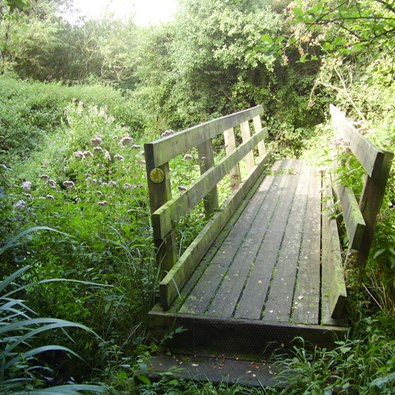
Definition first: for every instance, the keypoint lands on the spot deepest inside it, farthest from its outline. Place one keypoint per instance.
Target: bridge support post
(159, 188)
(206, 162)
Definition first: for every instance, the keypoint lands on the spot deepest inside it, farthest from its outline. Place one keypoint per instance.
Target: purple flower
(78, 154)
(107, 156)
(44, 176)
(87, 154)
(52, 183)
(188, 157)
(129, 186)
(68, 184)
(136, 147)
(98, 150)
(119, 157)
(26, 185)
(96, 141)
(20, 204)
(126, 140)
(103, 203)
(167, 133)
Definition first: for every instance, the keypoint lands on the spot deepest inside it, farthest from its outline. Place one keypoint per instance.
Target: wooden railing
(167, 211)
(359, 217)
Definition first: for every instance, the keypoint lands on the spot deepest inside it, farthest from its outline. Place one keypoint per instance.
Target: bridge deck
(264, 272)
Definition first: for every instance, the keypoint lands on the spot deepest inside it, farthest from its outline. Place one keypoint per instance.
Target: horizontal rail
(353, 218)
(164, 149)
(186, 264)
(369, 156)
(174, 209)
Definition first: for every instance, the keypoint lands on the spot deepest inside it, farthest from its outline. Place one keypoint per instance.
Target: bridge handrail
(360, 218)
(166, 211)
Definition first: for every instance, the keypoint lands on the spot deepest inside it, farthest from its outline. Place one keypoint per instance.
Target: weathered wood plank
(371, 201)
(353, 219)
(169, 147)
(370, 157)
(240, 335)
(307, 290)
(206, 162)
(230, 147)
(192, 281)
(258, 127)
(200, 298)
(226, 298)
(176, 208)
(333, 289)
(253, 296)
(246, 135)
(280, 296)
(181, 271)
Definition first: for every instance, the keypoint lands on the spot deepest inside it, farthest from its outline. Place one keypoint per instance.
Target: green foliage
(31, 111)
(20, 367)
(355, 366)
(87, 180)
(348, 28)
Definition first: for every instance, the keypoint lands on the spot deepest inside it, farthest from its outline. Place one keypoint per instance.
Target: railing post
(246, 135)
(258, 128)
(370, 204)
(159, 188)
(206, 161)
(230, 146)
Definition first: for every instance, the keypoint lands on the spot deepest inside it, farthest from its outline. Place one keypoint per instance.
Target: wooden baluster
(258, 128)
(230, 146)
(160, 192)
(206, 161)
(246, 135)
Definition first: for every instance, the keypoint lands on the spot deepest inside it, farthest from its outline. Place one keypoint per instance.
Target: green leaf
(378, 253)
(298, 12)
(266, 39)
(144, 379)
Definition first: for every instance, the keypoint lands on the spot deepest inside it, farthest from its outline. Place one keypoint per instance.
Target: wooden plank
(206, 162)
(370, 157)
(246, 135)
(333, 289)
(258, 128)
(200, 298)
(371, 201)
(215, 369)
(238, 335)
(353, 219)
(182, 270)
(230, 147)
(227, 295)
(279, 302)
(176, 208)
(307, 290)
(274, 202)
(169, 147)
(188, 287)
(160, 193)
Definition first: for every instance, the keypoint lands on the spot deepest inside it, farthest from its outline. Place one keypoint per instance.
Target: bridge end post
(159, 189)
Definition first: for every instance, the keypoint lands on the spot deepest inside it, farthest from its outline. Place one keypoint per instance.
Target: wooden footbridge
(268, 265)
